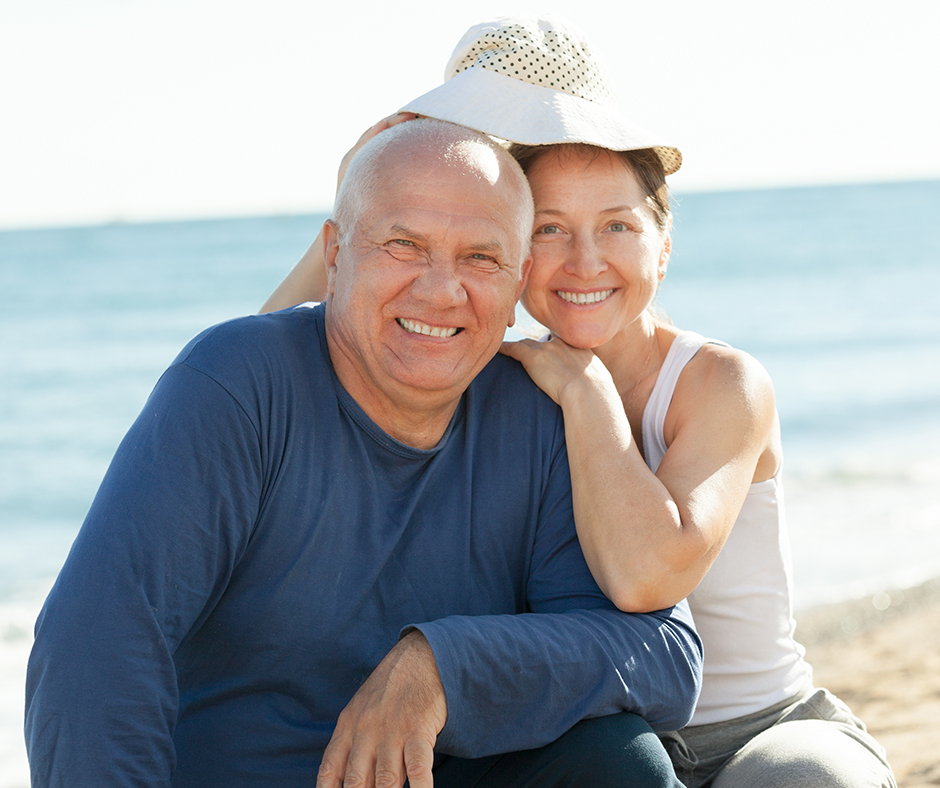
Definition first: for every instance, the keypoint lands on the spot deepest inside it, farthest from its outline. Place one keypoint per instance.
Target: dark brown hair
(644, 163)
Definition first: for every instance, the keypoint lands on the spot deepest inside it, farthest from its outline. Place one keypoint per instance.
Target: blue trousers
(620, 750)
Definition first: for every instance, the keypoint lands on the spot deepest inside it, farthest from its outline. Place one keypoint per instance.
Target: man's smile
(414, 327)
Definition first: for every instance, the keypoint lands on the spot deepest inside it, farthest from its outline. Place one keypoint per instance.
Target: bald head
(419, 148)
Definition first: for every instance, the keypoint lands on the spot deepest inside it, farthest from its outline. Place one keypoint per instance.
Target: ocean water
(834, 289)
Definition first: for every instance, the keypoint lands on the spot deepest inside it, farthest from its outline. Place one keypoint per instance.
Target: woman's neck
(634, 358)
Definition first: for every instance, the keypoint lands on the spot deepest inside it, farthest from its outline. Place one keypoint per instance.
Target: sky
(136, 110)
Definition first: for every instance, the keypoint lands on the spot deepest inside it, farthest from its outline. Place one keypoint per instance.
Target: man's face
(424, 287)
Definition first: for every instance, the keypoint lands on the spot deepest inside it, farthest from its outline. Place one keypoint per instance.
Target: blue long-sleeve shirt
(259, 544)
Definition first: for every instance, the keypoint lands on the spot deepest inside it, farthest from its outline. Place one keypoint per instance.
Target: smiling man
(338, 541)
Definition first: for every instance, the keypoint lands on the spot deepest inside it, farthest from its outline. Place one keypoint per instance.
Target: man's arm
(513, 682)
(168, 524)
(517, 682)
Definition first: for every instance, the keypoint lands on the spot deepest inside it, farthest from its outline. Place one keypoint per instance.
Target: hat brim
(518, 111)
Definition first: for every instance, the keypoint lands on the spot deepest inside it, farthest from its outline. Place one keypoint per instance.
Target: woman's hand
(368, 134)
(556, 367)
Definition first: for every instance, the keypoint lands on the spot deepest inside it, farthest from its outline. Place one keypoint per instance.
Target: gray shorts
(806, 741)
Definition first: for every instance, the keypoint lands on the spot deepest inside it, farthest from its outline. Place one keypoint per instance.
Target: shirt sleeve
(154, 554)
(516, 682)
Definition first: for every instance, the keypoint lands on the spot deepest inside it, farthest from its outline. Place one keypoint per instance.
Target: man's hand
(387, 731)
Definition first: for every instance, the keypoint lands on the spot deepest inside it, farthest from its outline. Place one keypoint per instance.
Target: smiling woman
(602, 249)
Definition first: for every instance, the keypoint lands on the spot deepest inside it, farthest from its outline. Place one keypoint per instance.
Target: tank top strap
(683, 348)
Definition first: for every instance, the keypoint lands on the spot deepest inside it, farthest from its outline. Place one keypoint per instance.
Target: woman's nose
(584, 258)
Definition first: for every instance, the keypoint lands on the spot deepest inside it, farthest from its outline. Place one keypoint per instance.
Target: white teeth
(584, 298)
(413, 327)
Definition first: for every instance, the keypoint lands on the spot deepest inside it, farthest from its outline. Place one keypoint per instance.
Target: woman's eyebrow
(614, 209)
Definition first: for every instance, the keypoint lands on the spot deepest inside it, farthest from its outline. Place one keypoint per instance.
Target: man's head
(426, 253)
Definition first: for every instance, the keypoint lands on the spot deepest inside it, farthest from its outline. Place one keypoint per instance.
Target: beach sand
(881, 655)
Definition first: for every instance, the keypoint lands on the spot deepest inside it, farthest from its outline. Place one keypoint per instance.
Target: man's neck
(416, 418)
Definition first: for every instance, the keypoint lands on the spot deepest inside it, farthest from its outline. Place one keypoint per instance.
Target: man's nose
(584, 259)
(440, 286)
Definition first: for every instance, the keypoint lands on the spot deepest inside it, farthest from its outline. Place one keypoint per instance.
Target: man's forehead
(422, 199)
(470, 228)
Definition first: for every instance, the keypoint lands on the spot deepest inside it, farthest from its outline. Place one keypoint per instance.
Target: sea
(835, 289)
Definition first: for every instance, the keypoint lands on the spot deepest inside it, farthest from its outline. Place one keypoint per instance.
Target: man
(341, 538)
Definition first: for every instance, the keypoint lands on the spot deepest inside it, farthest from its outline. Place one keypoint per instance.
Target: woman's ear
(666, 251)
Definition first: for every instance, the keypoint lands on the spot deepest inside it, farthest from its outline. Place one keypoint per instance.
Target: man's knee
(620, 750)
(807, 754)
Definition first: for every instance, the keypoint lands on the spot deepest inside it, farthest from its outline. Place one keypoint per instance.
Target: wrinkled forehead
(446, 206)
(466, 180)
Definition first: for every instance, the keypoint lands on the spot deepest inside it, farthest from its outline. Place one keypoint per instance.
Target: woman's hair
(643, 163)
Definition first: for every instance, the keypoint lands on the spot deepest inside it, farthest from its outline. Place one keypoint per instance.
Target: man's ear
(523, 281)
(330, 251)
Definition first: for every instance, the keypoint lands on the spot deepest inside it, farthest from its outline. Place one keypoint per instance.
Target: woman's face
(598, 254)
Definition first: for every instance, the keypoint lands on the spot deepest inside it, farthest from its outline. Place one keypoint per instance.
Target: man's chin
(439, 376)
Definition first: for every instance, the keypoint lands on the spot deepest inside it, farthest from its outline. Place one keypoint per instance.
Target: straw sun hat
(536, 82)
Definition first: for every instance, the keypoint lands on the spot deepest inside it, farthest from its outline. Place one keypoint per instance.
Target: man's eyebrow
(487, 246)
(400, 229)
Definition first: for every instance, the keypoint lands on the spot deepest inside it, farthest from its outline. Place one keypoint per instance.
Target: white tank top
(743, 608)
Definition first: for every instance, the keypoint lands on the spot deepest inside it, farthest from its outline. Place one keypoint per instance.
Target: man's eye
(482, 261)
(403, 242)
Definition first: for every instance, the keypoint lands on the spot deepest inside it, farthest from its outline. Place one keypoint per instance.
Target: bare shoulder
(726, 384)
(722, 370)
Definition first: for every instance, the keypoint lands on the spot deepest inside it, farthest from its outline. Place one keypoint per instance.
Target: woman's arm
(649, 539)
(307, 280)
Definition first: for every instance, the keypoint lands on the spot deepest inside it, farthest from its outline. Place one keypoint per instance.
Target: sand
(881, 655)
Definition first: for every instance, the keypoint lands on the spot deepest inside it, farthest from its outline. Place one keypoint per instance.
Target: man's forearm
(517, 682)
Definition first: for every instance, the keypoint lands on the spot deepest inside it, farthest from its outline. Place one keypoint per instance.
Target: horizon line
(157, 217)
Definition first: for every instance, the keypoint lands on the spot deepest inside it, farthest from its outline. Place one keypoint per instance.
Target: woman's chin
(580, 337)
(577, 330)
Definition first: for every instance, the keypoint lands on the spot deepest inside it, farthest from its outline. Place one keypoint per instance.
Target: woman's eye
(618, 227)
(549, 229)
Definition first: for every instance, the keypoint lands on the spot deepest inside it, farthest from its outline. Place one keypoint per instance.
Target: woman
(673, 439)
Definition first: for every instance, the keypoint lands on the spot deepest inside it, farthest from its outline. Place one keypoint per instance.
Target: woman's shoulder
(720, 378)
(719, 362)
(724, 402)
